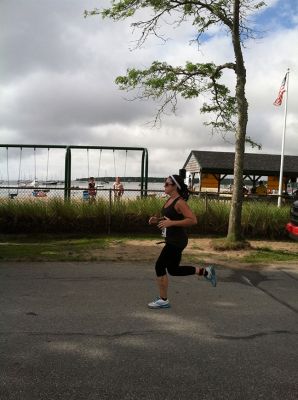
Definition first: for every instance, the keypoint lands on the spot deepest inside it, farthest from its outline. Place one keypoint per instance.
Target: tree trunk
(235, 231)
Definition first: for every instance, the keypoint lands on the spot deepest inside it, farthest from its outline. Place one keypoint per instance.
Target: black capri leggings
(169, 260)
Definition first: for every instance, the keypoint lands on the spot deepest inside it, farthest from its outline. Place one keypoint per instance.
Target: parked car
(292, 226)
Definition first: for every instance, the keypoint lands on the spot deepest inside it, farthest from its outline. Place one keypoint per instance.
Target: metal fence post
(67, 180)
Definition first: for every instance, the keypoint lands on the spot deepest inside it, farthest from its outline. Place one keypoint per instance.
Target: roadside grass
(48, 249)
(223, 244)
(251, 255)
(267, 255)
(109, 248)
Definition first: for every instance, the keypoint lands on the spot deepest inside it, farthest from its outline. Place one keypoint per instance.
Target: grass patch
(269, 256)
(46, 249)
(224, 244)
(198, 260)
(127, 248)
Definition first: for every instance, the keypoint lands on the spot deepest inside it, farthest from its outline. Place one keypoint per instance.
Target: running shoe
(211, 275)
(159, 303)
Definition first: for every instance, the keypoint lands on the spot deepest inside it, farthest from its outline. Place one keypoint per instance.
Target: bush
(259, 219)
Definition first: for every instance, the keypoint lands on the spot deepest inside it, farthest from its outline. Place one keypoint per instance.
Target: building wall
(209, 181)
(192, 165)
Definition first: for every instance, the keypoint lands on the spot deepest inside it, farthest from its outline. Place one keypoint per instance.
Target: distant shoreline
(123, 179)
(127, 179)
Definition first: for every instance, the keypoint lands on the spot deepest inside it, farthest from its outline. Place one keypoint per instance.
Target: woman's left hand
(165, 223)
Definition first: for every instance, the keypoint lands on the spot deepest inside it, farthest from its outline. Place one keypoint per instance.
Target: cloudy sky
(57, 74)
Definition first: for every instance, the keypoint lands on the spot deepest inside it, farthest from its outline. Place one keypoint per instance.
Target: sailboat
(51, 182)
(37, 192)
(31, 185)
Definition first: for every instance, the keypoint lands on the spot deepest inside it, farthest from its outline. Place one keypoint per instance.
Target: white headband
(176, 183)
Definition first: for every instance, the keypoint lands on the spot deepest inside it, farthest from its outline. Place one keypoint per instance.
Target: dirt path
(198, 250)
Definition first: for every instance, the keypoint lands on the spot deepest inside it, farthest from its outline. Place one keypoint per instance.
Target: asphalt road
(83, 331)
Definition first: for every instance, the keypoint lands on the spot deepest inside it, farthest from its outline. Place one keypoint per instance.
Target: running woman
(176, 216)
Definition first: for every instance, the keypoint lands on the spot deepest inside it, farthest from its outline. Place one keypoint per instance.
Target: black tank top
(175, 235)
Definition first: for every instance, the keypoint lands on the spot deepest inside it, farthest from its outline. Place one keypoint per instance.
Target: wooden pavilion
(212, 167)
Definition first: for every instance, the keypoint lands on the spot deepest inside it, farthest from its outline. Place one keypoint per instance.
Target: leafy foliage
(164, 82)
(228, 112)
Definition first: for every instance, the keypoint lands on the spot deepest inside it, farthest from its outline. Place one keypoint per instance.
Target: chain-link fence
(20, 193)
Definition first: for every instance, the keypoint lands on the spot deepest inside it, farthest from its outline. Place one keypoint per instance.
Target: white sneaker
(159, 303)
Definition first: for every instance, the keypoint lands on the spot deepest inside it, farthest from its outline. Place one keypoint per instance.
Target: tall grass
(213, 217)
(133, 215)
(55, 215)
(259, 219)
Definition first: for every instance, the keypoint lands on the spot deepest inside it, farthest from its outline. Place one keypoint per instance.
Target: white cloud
(57, 84)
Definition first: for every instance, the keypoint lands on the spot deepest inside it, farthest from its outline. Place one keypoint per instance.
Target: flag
(281, 92)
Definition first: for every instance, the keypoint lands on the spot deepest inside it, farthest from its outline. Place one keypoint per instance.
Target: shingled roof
(254, 164)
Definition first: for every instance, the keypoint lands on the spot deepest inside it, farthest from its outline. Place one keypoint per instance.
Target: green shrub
(259, 219)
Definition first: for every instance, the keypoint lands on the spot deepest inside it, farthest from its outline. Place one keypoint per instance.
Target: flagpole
(283, 144)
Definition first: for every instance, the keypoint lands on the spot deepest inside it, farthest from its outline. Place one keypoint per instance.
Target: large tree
(165, 82)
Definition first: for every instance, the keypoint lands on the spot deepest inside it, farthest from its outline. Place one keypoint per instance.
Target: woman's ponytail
(181, 186)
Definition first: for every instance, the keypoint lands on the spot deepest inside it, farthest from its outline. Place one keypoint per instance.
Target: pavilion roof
(254, 164)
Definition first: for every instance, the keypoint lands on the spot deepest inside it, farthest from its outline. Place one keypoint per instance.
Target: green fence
(12, 188)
